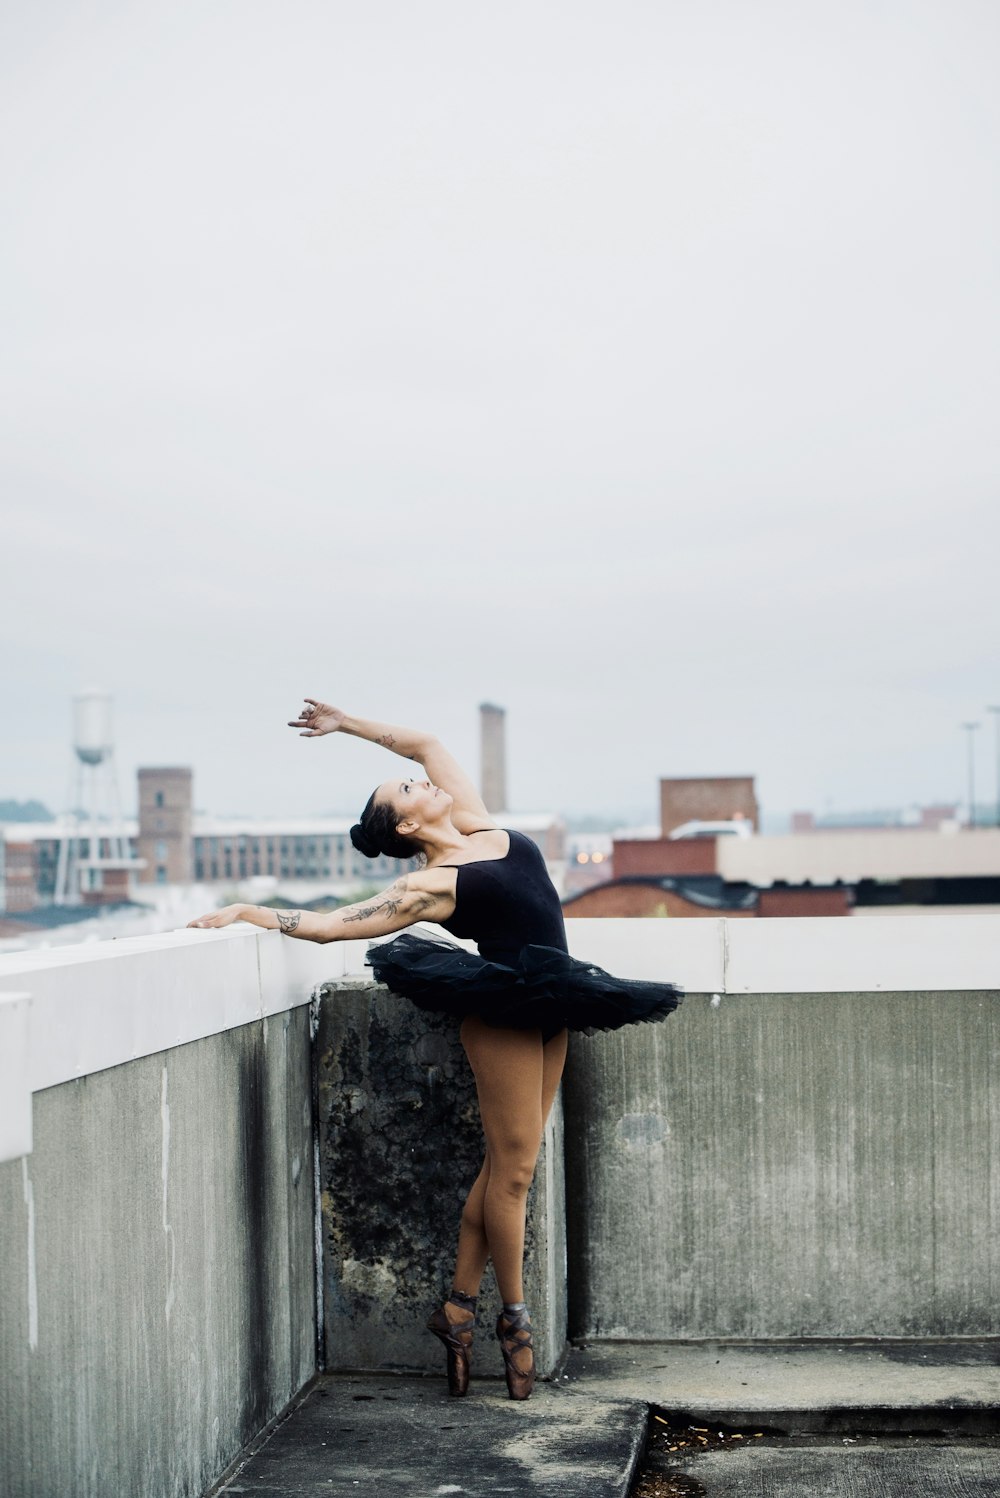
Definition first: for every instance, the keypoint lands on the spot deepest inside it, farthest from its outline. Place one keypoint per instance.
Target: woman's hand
(317, 719)
(224, 917)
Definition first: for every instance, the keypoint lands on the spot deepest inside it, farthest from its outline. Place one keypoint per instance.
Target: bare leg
(473, 1246)
(517, 1079)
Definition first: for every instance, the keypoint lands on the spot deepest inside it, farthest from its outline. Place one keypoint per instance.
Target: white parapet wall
(96, 1006)
(15, 1091)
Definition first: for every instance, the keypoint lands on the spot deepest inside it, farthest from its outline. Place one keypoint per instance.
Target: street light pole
(996, 724)
(970, 729)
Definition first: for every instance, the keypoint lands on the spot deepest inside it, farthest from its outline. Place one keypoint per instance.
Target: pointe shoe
(516, 1333)
(458, 1351)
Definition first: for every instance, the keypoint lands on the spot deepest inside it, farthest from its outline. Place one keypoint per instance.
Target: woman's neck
(439, 843)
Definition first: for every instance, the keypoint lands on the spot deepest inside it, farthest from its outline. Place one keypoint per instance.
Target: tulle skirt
(547, 990)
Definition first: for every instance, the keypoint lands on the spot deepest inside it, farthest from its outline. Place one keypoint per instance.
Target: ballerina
(517, 1000)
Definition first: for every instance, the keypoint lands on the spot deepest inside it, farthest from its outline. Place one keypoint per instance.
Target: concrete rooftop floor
(925, 1418)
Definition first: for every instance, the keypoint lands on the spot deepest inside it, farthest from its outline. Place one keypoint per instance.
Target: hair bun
(363, 842)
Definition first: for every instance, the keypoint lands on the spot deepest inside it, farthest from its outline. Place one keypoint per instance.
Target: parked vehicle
(737, 828)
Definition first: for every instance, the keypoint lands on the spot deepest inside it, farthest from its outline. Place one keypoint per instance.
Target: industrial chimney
(493, 756)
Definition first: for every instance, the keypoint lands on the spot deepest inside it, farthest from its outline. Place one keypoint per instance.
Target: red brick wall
(115, 888)
(647, 900)
(657, 855)
(21, 876)
(830, 901)
(169, 824)
(705, 799)
(638, 900)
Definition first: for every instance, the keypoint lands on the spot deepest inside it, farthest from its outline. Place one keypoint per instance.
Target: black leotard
(505, 904)
(523, 977)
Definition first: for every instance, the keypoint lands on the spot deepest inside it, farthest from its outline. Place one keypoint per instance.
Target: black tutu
(548, 990)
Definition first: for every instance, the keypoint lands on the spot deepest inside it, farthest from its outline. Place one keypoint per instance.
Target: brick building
(682, 877)
(165, 826)
(717, 798)
(704, 895)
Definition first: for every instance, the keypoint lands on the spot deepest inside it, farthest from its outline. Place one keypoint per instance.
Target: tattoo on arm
(288, 920)
(388, 741)
(389, 903)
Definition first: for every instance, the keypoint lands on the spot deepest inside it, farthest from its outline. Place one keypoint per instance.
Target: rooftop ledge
(70, 1012)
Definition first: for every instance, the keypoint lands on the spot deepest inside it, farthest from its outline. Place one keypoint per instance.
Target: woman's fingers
(306, 714)
(223, 917)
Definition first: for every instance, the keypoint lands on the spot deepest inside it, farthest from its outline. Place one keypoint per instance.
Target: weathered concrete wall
(156, 1267)
(400, 1145)
(783, 1165)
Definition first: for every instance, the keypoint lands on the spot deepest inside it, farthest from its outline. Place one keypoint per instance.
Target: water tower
(95, 860)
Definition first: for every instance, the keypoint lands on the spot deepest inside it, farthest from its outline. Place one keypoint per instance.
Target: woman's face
(418, 801)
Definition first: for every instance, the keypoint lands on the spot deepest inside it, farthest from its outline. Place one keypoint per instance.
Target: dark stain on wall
(400, 1145)
(254, 1162)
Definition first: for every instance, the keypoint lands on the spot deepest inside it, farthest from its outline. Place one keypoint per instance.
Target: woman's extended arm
(321, 718)
(469, 810)
(411, 898)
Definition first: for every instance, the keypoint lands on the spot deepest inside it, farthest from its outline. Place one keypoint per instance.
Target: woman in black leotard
(517, 998)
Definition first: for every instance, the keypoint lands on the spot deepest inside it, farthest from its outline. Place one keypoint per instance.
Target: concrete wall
(400, 1145)
(790, 1164)
(156, 1278)
(157, 1287)
(812, 1154)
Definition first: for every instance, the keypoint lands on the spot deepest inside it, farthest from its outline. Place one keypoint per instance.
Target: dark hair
(376, 832)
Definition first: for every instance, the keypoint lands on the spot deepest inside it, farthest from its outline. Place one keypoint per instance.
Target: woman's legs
(517, 1078)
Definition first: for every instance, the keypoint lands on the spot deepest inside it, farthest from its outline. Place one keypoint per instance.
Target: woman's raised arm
(317, 718)
(468, 811)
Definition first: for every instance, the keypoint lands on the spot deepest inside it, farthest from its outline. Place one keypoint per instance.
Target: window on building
(161, 850)
(159, 798)
(161, 875)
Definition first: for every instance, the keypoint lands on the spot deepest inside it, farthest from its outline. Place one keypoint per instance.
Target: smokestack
(493, 756)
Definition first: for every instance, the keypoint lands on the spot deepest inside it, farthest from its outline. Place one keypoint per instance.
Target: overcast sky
(633, 365)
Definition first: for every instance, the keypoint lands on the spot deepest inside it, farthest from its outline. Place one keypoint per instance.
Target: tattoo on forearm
(288, 920)
(386, 740)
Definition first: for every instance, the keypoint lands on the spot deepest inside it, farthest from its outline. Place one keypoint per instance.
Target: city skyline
(606, 816)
